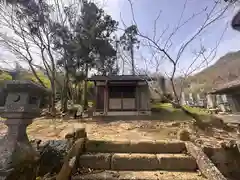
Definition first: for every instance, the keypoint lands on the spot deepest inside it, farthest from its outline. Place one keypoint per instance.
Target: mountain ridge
(224, 70)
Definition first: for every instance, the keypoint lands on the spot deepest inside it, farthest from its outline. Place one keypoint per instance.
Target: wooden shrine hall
(121, 95)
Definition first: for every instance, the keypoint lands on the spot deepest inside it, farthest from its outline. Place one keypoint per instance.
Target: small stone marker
(22, 105)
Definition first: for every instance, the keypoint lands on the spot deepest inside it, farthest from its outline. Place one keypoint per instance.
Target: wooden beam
(106, 99)
(137, 99)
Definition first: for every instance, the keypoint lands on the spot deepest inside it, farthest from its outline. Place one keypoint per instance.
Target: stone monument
(211, 101)
(191, 100)
(183, 99)
(17, 157)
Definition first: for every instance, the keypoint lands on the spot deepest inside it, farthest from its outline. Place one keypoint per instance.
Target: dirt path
(149, 130)
(102, 130)
(134, 130)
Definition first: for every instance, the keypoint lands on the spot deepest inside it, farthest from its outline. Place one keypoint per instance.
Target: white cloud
(112, 7)
(229, 45)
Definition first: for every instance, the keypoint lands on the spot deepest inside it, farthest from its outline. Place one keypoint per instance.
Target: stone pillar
(106, 99)
(17, 157)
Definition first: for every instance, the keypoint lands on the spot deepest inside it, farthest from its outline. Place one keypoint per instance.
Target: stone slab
(126, 146)
(138, 161)
(140, 175)
(177, 162)
(134, 162)
(96, 161)
(107, 146)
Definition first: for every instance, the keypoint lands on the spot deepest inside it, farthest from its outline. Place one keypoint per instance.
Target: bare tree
(27, 30)
(160, 48)
(30, 31)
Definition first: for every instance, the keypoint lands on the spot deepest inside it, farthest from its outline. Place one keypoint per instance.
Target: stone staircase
(140, 160)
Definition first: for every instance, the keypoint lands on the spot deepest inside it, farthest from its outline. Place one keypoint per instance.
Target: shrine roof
(120, 78)
(227, 87)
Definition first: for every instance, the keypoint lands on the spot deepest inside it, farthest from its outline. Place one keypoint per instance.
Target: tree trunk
(78, 93)
(53, 110)
(132, 57)
(53, 87)
(65, 90)
(35, 74)
(84, 94)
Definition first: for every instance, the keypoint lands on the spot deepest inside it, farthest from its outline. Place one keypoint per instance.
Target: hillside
(226, 69)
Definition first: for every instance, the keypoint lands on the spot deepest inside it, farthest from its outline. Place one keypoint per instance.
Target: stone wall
(227, 160)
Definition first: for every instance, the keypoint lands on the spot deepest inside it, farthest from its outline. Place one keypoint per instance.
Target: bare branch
(155, 25)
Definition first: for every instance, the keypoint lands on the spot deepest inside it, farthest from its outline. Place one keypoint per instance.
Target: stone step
(126, 146)
(140, 175)
(138, 162)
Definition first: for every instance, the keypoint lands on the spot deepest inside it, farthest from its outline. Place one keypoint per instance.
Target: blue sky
(146, 12)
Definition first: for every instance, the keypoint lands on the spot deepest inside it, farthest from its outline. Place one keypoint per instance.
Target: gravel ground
(45, 129)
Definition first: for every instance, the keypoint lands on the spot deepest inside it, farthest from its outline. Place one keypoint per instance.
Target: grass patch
(196, 110)
(163, 106)
(166, 111)
(2, 119)
(169, 107)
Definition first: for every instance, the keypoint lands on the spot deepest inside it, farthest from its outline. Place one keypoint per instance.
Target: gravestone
(199, 100)
(232, 103)
(183, 99)
(218, 99)
(17, 157)
(220, 103)
(211, 101)
(191, 100)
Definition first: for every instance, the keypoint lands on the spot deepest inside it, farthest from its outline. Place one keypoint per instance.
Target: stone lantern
(22, 105)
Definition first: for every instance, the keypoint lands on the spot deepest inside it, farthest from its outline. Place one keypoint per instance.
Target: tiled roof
(120, 78)
(227, 86)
